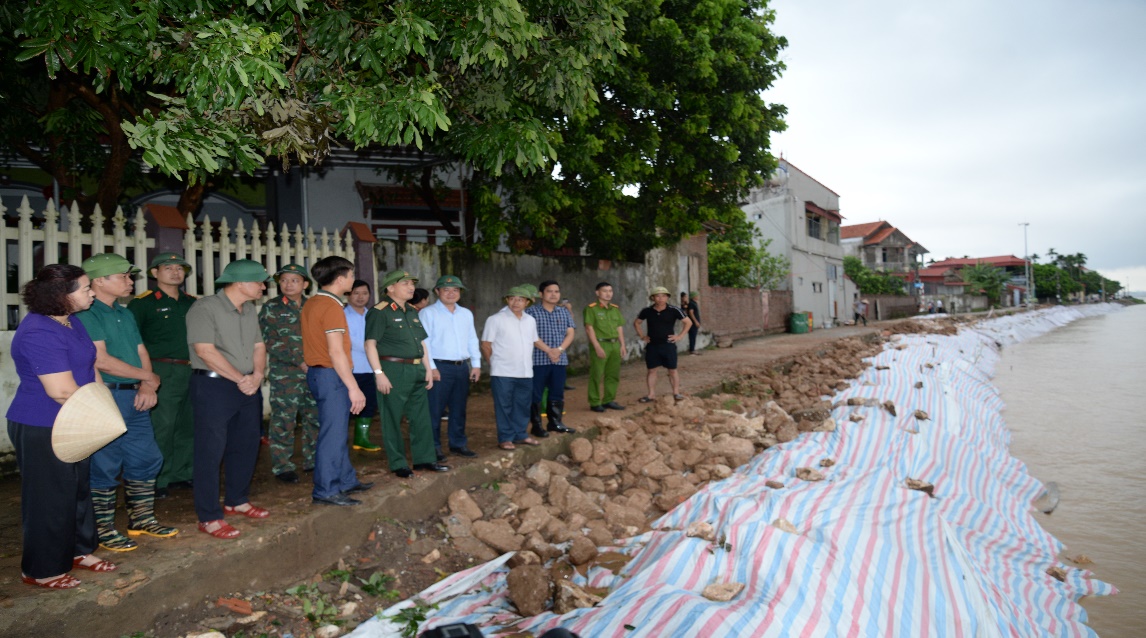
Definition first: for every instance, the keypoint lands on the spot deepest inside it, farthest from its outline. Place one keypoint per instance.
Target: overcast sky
(957, 120)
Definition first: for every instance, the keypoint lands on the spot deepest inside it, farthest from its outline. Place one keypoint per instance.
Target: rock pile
(555, 514)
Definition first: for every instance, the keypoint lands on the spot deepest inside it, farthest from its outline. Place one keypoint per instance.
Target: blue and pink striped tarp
(871, 557)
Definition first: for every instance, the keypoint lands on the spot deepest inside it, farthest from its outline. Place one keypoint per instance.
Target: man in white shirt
(456, 362)
(356, 309)
(508, 340)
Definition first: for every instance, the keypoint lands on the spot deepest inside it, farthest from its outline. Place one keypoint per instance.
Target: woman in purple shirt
(54, 357)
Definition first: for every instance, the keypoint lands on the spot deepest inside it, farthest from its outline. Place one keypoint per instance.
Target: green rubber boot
(140, 497)
(103, 506)
(362, 435)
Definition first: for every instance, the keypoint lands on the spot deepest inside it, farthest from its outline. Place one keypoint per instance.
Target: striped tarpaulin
(871, 557)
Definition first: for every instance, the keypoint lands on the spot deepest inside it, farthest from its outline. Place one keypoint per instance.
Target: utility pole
(1027, 259)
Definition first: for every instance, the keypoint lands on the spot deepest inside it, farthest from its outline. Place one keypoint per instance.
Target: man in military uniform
(291, 400)
(604, 324)
(161, 315)
(397, 350)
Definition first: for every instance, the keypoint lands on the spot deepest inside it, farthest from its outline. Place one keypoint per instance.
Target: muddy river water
(1076, 406)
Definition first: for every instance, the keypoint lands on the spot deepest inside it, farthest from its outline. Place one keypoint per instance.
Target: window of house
(817, 286)
(815, 226)
(833, 272)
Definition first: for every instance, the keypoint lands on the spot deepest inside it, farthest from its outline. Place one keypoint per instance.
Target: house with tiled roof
(946, 277)
(801, 217)
(881, 247)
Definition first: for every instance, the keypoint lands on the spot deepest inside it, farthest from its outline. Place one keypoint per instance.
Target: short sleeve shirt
(162, 322)
(695, 309)
(552, 326)
(43, 346)
(605, 319)
(115, 326)
(398, 331)
(661, 322)
(215, 320)
(322, 314)
(512, 340)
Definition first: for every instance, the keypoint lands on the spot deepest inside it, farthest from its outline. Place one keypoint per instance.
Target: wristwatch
(378, 371)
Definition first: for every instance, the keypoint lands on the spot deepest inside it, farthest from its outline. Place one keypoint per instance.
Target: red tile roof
(859, 230)
(880, 236)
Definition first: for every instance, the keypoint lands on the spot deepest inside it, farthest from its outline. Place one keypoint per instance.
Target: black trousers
(227, 424)
(55, 504)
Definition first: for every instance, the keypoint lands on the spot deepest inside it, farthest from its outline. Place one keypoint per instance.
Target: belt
(178, 362)
(462, 362)
(401, 360)
(608, 340)
(123, 386)
(210, 374)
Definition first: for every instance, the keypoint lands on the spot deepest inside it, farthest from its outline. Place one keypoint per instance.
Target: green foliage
(378, 586)
(678, 136)
(411, 618)
(317, 607)
(983, 278)
(869, 282)
(340, 575)
(738, 258)
(1066, 275)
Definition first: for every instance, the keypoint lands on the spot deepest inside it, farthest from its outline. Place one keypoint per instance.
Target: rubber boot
(103, 507)
(537, 429)
(556, 412)
(362, 435)
(140, 496)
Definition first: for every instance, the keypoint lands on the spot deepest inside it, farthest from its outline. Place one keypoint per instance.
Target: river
(1076, 407)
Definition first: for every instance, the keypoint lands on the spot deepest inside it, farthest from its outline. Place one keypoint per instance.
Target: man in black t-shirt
(661, 340)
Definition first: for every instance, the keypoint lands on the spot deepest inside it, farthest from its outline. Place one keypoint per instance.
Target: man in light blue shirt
(357, 307)
(455, 363)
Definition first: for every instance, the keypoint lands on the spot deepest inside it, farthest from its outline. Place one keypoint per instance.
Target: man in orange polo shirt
(326, 350)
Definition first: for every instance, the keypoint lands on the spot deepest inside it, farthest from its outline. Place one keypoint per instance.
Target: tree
(869, 282)
(739, 259)
(679, 135)
(212, 87)
(985, 279)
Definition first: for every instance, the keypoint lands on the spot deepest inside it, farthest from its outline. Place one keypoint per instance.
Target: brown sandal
(529, 440)
(507, 446)
(252, 511)
(63, 581)
(223, 531)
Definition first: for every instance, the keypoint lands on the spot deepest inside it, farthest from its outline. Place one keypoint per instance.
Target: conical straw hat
(88, 420)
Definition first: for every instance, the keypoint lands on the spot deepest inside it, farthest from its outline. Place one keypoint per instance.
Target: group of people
(187, 373)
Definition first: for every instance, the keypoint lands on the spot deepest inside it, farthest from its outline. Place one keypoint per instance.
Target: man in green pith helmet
(397, 350)
(291, 400)
(161, 315)
(125, 368)
(604, 326)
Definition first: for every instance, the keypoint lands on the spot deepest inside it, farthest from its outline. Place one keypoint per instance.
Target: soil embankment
(306, 567)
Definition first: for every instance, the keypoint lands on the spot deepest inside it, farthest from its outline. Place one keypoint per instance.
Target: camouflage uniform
(290, 397)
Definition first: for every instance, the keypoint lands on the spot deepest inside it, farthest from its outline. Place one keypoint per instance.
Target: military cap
(449, 281)
(105, 264)
(162, 259)
(296, 269)
(394, 276)
(520, 291)
(243, 270)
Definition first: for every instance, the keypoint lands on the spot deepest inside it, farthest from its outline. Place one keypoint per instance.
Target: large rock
(463, 504)
(570, 597)
(538, 475)
(558, 490)
(738, 451)
(576, 502)
(656, 470)
(533, 520)
(582, 550)
(722, 592)
(529, 589)
(580, 450)
(527, 498)
(787, 432)
(620, 516)
(498, 534)
(458, 526)
(475, 548)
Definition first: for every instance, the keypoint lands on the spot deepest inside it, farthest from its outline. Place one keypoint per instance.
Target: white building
(802, 218)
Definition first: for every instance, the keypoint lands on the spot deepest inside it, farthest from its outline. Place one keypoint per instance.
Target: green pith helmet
(243, 270)
(106, 264)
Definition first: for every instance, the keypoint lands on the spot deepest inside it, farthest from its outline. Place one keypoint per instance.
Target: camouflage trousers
(291, 405)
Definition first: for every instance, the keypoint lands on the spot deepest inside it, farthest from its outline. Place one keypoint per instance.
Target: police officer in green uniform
(396, 348)
(604, 325)
(291, 400)
(161, 315)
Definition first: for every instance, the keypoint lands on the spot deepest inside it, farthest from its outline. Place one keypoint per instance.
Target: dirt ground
(307, 566)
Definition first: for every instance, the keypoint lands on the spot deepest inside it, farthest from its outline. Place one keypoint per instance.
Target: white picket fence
(38, 242)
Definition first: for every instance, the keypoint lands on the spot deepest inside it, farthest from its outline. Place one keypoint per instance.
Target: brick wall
(731, 312)
(890, 306)
(777, 308)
